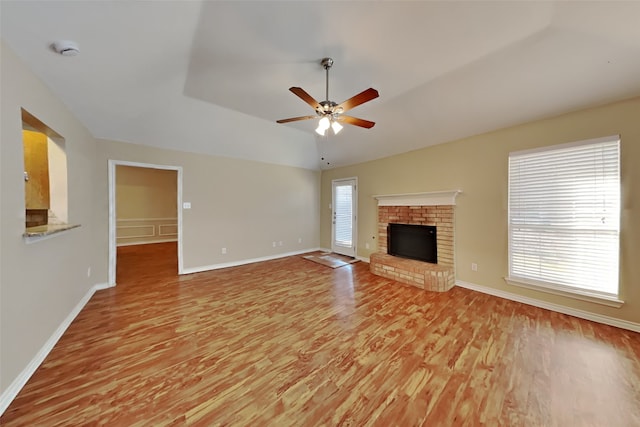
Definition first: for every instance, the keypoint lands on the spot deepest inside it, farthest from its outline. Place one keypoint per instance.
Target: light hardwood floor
(291, 342)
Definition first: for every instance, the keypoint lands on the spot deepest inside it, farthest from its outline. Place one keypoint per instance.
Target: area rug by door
(330, 259)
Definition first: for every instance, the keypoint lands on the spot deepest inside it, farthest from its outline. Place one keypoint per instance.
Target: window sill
(43, 232)
(584, 295)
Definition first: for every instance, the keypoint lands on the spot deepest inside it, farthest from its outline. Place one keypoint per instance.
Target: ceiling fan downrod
(327, 63)
(327, 108)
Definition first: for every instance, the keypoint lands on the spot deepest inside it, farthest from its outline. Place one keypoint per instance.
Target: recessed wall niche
(45, 174)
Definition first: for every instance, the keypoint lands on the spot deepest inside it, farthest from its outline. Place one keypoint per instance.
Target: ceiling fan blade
(298, 91)
(357, 122)
(295, 119)
(361, 98)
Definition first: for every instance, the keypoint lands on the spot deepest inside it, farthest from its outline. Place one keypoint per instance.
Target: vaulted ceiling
(213, 76)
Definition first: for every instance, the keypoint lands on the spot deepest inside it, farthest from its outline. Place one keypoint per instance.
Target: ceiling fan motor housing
(328, 107)
(326, 63)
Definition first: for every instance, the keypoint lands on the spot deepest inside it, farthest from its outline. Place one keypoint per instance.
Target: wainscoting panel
(138, 231)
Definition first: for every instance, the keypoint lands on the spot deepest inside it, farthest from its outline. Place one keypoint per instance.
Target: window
(564, 218)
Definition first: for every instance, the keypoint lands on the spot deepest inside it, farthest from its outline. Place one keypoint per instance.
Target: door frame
(354, 202)
(112, 211)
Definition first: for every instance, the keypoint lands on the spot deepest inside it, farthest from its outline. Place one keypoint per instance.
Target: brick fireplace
(439, 216)
(436, 209)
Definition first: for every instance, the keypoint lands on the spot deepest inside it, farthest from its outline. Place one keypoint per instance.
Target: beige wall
(146, 192)
(245, 206)
(239, 205)
(40, 282)
(146, 205)
(478, 166)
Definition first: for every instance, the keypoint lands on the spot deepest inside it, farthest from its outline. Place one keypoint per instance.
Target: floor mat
(330, 259)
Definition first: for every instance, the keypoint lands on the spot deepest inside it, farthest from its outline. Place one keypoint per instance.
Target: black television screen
(413, 242)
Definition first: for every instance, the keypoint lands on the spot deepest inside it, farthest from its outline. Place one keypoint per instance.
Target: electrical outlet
(366, 245)
(280, 243)
(224, 251)
(89, 272)
(474, 266)
(274, 244)
(299, 239)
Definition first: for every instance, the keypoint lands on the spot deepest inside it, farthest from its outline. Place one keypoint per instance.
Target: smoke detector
(66, 47)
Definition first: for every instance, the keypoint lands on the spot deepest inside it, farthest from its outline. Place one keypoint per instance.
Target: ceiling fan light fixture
(324, 122)
(323, 125)
(328, 111)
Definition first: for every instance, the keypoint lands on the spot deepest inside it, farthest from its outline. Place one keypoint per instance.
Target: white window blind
(344, 215)
(564, 216)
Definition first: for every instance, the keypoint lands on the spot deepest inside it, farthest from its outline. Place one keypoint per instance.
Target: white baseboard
(245, 261)
(363, 259)
(102, 286)
(146, 242)
(599, 318)
(14, 388)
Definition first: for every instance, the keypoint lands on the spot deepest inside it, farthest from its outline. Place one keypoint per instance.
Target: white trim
(147, 219)
(610, 138)
(160, 233)
(584, 295)
(598, 318)
(245, 261)
(18, 383)
(430, 198)
(363, 259)
(102, 286)
(354, 205)
(153, 231)
(112, 212)
(146, 242)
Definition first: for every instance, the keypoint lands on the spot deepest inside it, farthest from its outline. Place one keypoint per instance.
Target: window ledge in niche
(580, 294)
(42, 232)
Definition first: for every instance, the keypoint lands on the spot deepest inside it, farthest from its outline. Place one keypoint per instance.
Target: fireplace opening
(413, 241)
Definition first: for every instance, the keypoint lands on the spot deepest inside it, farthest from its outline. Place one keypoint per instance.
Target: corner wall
(41, 282)
(478, 166)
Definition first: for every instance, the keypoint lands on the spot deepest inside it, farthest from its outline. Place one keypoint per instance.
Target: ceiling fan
(329, 112)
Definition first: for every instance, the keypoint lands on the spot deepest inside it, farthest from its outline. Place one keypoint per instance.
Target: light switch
(186, 205)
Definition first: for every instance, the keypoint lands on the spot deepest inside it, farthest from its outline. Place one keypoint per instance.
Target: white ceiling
(213, 76)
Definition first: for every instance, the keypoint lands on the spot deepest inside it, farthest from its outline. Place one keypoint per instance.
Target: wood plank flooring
(293, 343)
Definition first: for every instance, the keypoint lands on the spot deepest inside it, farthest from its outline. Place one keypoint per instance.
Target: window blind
(564, 215)
(344, 215)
